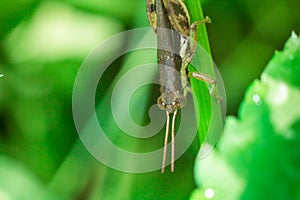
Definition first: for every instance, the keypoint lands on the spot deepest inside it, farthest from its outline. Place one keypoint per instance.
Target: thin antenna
(173, 141)
(166, 143)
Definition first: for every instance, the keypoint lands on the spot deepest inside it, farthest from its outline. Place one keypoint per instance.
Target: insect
(174, 15)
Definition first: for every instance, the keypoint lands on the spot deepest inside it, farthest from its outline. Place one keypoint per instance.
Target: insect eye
(160, 102)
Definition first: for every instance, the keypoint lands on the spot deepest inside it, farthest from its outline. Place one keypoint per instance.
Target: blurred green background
(42, 45)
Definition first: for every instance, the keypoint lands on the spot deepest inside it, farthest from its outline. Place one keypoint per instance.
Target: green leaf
(12, 12)
(289, 58)
(56, 30)
(18, 183)
(210, 113)
(258, 156)
(199, 87)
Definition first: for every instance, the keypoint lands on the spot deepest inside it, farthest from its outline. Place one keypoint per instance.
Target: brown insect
(174, 15)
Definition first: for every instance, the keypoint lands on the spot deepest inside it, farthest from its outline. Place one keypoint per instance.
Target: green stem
(200, 88)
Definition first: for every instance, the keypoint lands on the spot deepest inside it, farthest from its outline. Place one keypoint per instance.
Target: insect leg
(151, 13)
(191, 46)
(192, 40)
(194, 28)
(207, 79)
(166, 143)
